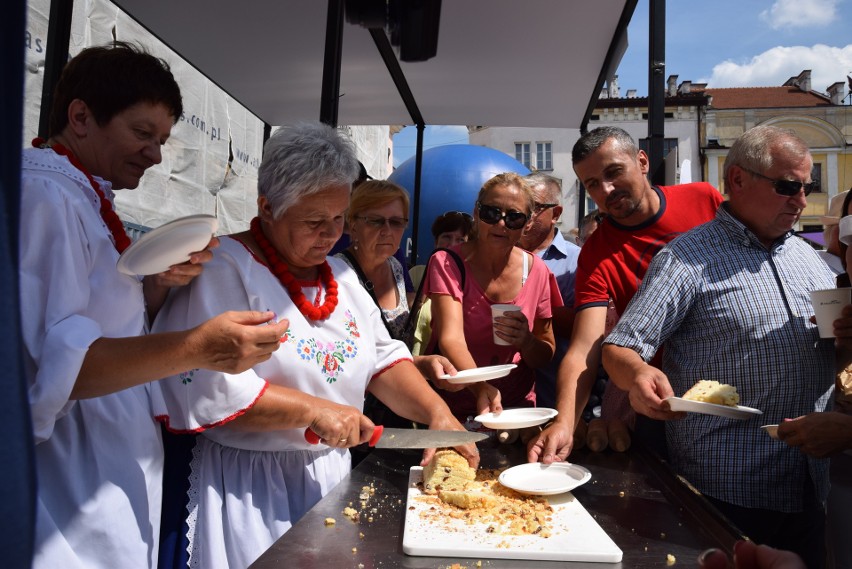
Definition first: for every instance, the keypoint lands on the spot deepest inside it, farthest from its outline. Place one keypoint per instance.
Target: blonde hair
(375, 193)
(509, 179)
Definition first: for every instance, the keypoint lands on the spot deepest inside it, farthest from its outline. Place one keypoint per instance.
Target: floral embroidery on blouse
(351, 325)
(186, 376)
(328, 355)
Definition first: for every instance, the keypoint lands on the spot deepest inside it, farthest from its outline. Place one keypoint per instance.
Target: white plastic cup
(498, 310)
(828, 304)
(844, 233)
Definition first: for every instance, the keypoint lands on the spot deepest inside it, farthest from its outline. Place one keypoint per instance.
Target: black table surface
(647, 511)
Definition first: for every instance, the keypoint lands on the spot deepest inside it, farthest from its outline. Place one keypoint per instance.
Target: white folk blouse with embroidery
(267, 480)
(99, 460)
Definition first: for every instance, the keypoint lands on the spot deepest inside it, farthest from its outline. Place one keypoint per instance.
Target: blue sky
(724, 43)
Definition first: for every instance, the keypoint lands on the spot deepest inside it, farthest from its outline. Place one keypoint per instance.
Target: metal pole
(55, 57)
(418, 167)
(18, 476)
(329, 102)
(656, 89)
(391, 62)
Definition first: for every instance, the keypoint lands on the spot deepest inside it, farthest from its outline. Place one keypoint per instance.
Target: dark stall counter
(646, 510)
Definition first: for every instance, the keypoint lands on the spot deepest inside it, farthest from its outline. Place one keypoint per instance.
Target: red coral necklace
(119, 236)
(294, 289)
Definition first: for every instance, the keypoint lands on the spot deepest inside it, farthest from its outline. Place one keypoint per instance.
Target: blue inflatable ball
(451, 177)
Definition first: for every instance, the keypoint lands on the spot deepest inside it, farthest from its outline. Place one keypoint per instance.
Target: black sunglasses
(492, 215)
(539, 207)
(786, 188)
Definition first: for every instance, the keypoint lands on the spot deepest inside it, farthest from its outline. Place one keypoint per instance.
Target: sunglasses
(492, 215)
(540, 207)
(786, 188)
(377, 222)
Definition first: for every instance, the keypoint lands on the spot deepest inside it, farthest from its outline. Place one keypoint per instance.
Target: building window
(522, 153)
(668, 145)
(816, 176)
(544, 155)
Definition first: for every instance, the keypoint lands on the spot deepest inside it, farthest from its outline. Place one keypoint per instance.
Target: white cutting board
(576, 536)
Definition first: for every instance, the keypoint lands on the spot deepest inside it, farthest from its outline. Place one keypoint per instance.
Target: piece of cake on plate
(709, 391)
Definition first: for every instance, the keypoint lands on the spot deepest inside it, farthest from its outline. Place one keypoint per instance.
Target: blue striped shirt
(728, 309)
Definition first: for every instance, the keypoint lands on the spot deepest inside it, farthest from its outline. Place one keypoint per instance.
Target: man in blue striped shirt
(729, 301)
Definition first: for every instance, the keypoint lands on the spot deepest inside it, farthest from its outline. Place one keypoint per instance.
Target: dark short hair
(596, 138)
(111, 79)
(452, 221)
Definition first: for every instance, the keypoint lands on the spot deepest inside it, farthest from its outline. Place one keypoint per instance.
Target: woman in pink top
(495, 271)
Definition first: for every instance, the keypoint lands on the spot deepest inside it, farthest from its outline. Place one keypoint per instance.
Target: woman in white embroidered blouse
(253, 474)
(98, 450)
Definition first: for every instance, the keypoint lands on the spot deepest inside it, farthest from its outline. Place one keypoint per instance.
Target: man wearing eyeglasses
(730, 301)
(543, 238)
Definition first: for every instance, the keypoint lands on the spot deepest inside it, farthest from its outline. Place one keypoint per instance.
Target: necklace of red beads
(119, 236)
(294, 289)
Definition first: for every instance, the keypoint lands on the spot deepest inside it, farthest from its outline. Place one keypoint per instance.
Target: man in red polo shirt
(640, 219)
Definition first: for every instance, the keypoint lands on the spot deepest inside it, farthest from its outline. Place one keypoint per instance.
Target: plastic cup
(828, 304)
(844, 233)
(498, 310)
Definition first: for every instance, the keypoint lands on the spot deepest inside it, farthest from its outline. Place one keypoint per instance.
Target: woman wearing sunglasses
(496, 271)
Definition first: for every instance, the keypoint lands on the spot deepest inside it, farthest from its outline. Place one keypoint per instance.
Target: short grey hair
(552, 186)
(596, 138)
(302, 160)
(752, 149)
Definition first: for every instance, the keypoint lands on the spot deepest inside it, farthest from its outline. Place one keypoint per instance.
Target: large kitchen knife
(412, 438)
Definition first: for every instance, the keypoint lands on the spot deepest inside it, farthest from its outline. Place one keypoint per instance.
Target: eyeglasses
(539, 207)
(786, 188)
(492, 215)
(395, 223)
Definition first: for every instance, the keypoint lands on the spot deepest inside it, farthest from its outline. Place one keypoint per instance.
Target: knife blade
(412, 438)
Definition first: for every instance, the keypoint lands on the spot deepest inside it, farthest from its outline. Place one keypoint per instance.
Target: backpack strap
(418, 296)
(367, 284)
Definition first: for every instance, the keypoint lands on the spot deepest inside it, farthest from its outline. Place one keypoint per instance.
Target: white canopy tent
(498, 62)
(537, 63)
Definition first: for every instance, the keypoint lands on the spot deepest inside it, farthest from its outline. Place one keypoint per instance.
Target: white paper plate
(168, 245)
(738, 412)
(544, 479)
(516, 418)
(771, 430)
(479, 374)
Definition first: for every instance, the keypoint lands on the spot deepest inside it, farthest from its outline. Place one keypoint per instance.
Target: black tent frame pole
(391, 62)
(55, 58)
(330, 97)
(657, 90)
(607, 69)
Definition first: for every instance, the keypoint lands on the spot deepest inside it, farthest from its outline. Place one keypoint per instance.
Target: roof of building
(765, 97)
(680, 100)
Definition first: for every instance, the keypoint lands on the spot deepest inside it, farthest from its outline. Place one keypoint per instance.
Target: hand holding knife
(411, 438)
